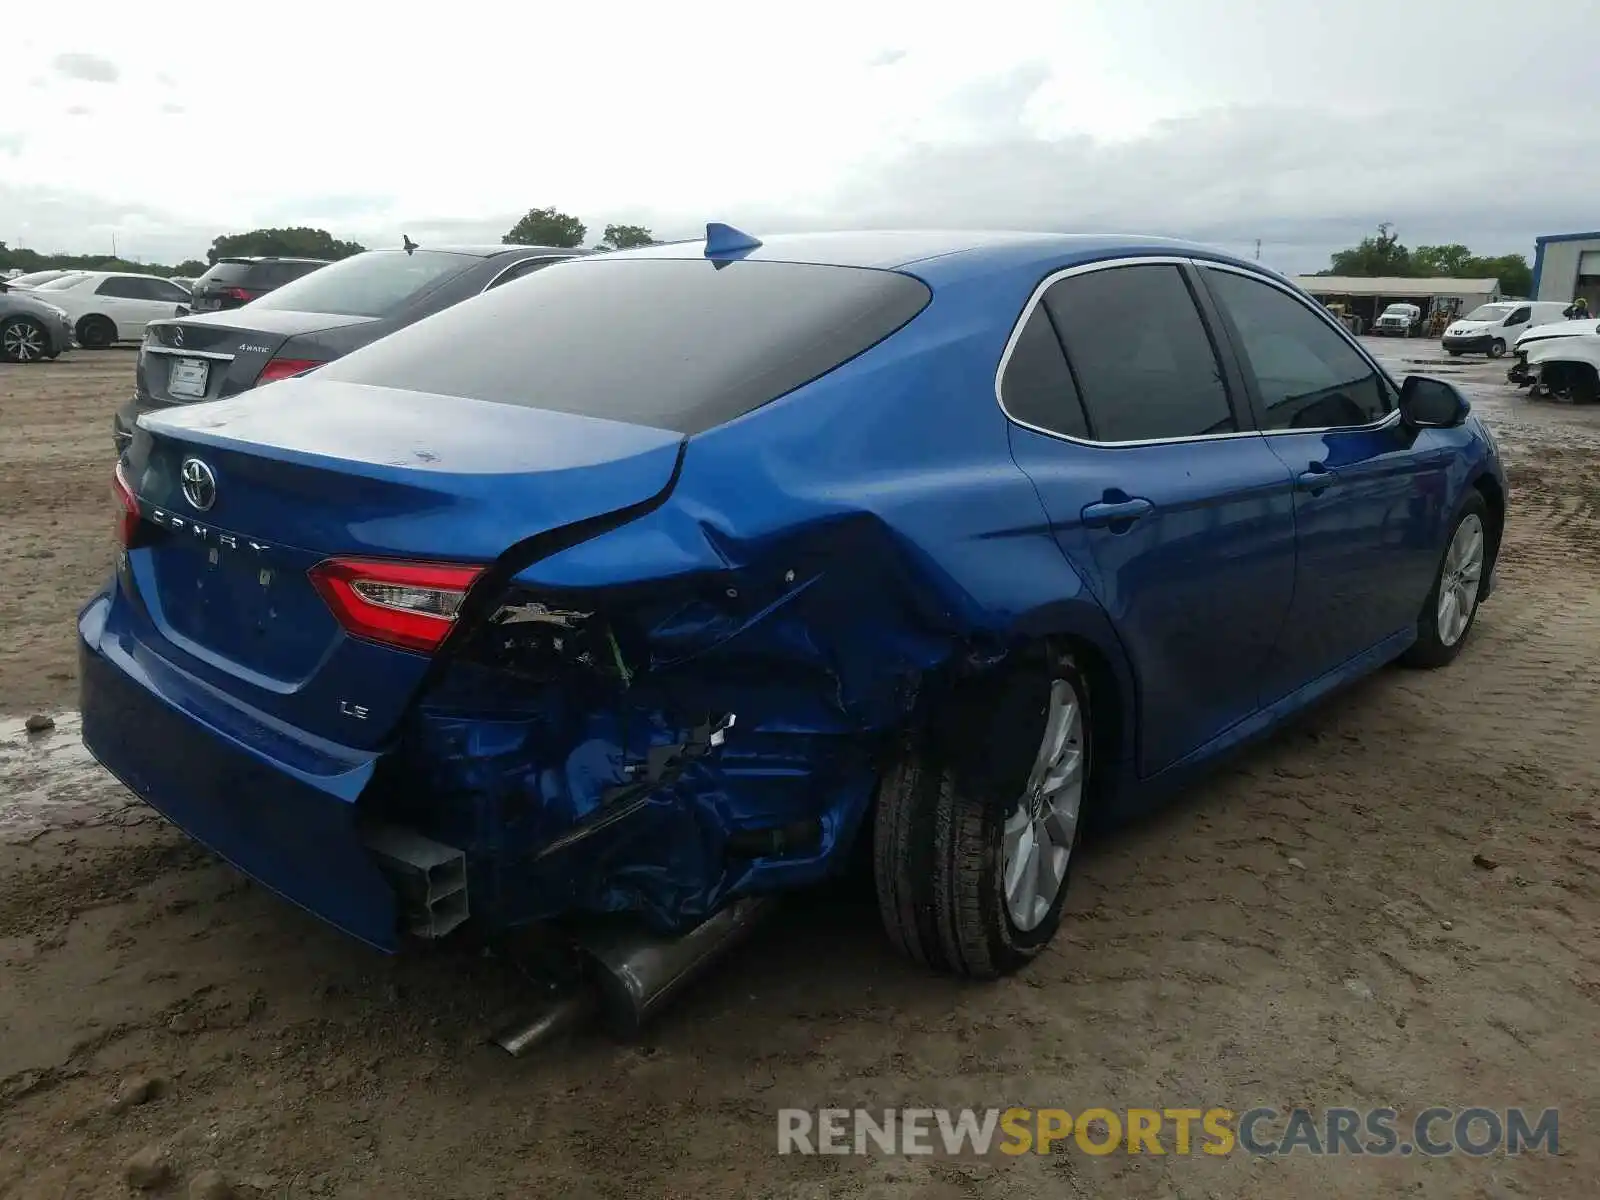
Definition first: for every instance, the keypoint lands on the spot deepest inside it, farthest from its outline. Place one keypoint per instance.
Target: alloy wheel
(1458, 579)
(1040, 833)
(22, 341)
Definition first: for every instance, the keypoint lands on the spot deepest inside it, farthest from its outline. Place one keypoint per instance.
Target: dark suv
(236, 281)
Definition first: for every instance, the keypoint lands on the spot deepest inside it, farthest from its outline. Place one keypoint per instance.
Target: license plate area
(229, 600)
(189, 377)
(205, 304)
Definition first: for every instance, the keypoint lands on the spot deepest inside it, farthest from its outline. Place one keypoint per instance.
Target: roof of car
(261, 258)
(487, 250)
(900, 248)
(118, 275)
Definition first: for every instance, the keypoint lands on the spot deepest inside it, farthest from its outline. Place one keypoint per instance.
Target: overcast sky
(1299, 124)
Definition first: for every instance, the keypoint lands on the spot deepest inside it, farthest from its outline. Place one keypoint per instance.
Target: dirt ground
(1310, 927)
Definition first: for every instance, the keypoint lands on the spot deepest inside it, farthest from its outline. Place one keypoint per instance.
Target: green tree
(27, 260)
(1379, 254)
(1512, 270)
(190, 268)
(1453, 260)
(546, 227)
(625, 237)
(297, 242)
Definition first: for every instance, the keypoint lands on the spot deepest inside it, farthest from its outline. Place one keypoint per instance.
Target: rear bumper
(276, 805)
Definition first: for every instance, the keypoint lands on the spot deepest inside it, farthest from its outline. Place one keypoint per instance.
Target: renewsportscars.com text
(1432, 1132)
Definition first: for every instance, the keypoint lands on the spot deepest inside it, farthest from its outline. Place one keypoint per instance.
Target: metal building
(1366, 298)
(1566, 266)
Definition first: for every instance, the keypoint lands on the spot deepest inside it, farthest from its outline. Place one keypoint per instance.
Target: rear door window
(121, 289)
(1143, 361)
(680, 344)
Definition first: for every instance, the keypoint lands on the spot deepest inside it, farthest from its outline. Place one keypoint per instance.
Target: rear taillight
(239, 294)
(409, 605)
(282, 368)
(127, 508)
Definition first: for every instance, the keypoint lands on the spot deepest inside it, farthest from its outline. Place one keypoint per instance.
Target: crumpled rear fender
(695, 704)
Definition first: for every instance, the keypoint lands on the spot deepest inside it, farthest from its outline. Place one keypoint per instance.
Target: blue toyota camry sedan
(650, 585)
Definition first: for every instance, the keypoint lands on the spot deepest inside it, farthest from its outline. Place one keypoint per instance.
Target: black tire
(1452, 353)
(1497, 348)
(95, 333)
(23, 340)
(941, 813)
(1430, 650)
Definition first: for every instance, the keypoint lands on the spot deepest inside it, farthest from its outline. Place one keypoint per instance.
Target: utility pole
(113, 245)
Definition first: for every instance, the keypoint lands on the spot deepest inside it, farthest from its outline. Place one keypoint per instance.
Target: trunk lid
(189, 359)
(308, 469)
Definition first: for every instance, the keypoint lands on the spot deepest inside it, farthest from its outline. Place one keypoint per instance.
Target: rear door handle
(1116, 512)
(1317, 478)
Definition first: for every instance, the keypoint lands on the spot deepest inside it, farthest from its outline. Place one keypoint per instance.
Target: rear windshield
(373, 284)
(256, 274)
(679, 344)
(228, 274)
(35, 278)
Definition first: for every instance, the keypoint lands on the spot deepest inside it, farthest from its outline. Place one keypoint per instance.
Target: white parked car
(113, 306)
(1493, 329)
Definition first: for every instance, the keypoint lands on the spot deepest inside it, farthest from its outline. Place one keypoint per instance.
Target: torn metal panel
(565, 744)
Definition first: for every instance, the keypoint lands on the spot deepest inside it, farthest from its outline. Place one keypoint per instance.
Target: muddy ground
(1310, 927)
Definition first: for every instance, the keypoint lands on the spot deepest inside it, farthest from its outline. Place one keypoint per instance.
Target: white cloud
(90, 68)
(1226, 120)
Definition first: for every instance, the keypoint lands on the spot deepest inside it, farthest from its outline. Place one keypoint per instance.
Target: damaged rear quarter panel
(818, 560)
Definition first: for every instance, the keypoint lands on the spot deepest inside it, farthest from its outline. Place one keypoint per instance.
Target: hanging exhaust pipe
(638, 973)
(634, 974)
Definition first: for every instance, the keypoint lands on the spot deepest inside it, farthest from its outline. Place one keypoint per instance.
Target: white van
(1491, 328)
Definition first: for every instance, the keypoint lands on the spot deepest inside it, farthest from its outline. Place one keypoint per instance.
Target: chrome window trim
(1109, 264)
(177, 353)
(544, 258)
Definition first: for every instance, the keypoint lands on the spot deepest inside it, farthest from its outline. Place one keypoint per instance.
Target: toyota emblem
(199, 484)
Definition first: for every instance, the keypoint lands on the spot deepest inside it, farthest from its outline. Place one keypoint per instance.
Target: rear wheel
(23, 340)
(95, 333)
(978, 822)
(1497, 348)
(1452, 604)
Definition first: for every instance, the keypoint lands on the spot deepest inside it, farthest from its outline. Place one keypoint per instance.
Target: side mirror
(1427, 403)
